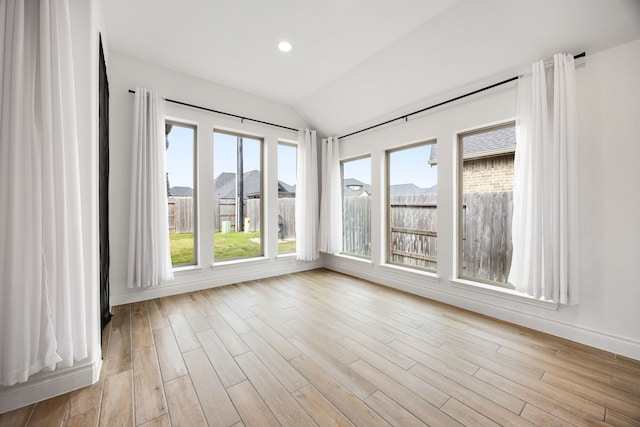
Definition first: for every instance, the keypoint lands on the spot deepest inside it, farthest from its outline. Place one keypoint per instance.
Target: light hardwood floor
(321, 348)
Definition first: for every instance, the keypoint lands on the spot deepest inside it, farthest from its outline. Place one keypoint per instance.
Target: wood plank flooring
(321, 348)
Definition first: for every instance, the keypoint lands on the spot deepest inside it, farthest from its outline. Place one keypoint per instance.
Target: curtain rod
(406, 116)
(242, 118)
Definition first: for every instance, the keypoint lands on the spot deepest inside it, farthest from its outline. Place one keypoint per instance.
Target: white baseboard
(46, 385)
(224, 275)
(519, 313)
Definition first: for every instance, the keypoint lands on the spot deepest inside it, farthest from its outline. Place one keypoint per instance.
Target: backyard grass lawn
(235, 245)
(226, 246)
(181, 248)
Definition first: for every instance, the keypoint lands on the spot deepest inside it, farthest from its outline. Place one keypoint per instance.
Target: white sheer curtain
(307, 208)
(42, 301)
(331, 198)
(544, 262)
(149, 253)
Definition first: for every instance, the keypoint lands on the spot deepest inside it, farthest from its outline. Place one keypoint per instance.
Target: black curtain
(103, 161)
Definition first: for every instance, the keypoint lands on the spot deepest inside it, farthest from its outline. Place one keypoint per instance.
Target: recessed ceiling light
(284, 46)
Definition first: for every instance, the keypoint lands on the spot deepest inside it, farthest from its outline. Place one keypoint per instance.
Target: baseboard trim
(225, 275)
(513, 312)
(46, 385)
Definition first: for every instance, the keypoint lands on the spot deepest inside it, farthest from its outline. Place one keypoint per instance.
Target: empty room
(291, 213)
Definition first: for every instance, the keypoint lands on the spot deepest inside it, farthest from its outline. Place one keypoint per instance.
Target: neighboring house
(181, 192)
(225, 195)
(180, 209)
(356, 188)
(412, 189)
(488, 160)
(225, 186)
(286, 190)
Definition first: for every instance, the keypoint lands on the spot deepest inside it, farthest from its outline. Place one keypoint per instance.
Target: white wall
(86, 23)
(127, 73)
(609, 130)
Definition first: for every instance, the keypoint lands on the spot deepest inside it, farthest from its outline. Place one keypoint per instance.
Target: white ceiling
(357, 61)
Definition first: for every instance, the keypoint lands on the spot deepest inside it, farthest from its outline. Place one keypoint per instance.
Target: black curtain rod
(242, 118)
(406, 116)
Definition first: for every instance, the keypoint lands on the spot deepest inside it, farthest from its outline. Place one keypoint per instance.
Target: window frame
(195, 219)
(294, 145)
(342, 186)
(387, 208)
(459, 202)
(261, 140)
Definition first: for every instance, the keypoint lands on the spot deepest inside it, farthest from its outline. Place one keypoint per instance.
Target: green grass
(226, 246)
(181, 248)
(286, 246)
(235, 245)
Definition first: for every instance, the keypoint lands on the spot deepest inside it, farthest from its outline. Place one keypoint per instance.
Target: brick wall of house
(488, 174)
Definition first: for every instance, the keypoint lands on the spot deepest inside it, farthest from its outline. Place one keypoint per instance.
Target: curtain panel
(42, 278)
(545, 215)
(149, 259)
(307, 205)
(331, 198)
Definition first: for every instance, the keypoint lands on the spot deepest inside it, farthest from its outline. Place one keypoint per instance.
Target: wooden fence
(413, 229)
(224, 210)
(413, 235)
(486, 227)
(486, 233)
(356, 226)
(287, 210)
(181, 215)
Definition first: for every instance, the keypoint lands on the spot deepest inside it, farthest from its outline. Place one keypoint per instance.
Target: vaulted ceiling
(357, 61)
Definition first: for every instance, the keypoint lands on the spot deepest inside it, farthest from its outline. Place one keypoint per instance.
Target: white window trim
(429, 275)
(353, 258)
(504, 293)
(342, 162)
(469, 282)
(284, 255)
(387, 215)
(262, 140)
(294, 144)
(235, 261)
(183, 270)
(195, 267)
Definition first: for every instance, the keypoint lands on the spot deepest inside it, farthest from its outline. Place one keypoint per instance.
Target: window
(485, 204)
(180, 143)
(356, 207)
(287, 161)
(411, 206)
(237, 169)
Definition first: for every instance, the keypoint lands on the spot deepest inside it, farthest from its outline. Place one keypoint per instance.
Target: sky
(407, 166)
(359, 169)
(224, 157)
(287, 162)
(410, 166)
(225, 148)
(180, 157)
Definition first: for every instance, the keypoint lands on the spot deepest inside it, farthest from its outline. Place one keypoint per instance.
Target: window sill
(432, 277)
(232, 262)
(286, 256)
(504, 293)
(353, 258)
(187, 269)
